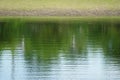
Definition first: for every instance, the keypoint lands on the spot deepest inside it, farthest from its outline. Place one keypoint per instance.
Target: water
(82, 50)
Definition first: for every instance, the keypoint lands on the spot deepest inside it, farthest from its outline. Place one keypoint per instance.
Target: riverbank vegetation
(62, 4)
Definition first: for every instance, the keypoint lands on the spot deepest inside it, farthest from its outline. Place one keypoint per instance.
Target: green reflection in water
(45, 44)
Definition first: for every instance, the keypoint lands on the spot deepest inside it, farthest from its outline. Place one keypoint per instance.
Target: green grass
(61, 19)
(62, 4)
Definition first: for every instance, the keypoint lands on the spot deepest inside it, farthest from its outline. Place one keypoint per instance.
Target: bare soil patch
(60, 12)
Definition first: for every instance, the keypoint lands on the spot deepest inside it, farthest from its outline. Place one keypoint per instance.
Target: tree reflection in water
(47, 50)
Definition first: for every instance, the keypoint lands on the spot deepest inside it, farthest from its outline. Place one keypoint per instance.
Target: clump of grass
(60, 4)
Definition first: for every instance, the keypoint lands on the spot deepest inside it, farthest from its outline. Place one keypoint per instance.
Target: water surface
(59, 50)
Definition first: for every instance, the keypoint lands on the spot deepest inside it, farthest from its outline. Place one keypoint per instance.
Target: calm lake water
(56, 50)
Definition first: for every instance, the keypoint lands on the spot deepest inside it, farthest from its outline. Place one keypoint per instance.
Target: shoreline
(61, 12)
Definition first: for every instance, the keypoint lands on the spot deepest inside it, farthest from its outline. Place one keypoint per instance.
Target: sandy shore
(60, 12)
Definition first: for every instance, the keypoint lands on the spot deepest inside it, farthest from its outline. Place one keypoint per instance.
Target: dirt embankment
(60, 12)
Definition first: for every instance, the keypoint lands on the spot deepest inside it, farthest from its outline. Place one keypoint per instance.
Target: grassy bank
(61, 19)
(60, 4)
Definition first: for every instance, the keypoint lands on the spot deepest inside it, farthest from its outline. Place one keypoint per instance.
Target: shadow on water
(59, 50)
